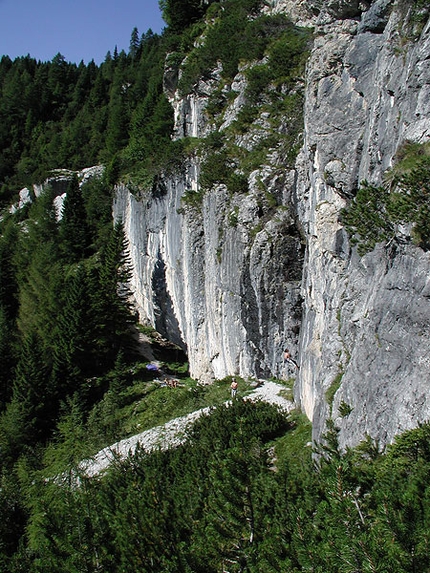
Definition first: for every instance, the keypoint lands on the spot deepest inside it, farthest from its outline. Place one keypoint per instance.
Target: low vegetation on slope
(269, 53)
(241, 495)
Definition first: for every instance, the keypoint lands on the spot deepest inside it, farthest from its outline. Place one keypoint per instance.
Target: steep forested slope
(61, 115)
(244, 493)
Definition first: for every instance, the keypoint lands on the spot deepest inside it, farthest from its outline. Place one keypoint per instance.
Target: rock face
(364, 319)
(58, 181)
(212, 281)
(233, 280)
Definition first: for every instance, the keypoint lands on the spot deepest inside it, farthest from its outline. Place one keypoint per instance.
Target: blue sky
(78, 29)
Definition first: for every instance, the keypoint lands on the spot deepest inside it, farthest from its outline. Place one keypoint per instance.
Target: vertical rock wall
(213, 280)
(365, 328)
(226, 280)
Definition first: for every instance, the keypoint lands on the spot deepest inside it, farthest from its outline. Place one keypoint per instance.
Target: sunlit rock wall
(366, 320)
(233, 281)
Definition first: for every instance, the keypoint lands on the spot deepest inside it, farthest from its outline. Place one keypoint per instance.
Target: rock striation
(232, 279)
(364, 319)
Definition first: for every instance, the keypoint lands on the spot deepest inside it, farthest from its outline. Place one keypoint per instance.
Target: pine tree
(7, 353)
(39, 294)
(8, 271)
(39, 273)
(29, 416)
(74, 231)
(73, 353)
(232, 525)
(134, 44)
(8, 307)
(401, 494)
(179, 14)
(112, 302)
(232, 529)
(13, 518)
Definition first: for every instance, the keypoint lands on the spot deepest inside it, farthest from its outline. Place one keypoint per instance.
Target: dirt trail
(173, 433)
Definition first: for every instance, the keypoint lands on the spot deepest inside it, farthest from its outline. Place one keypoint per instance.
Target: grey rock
(376, 18)
(234, 281)
(361, 325)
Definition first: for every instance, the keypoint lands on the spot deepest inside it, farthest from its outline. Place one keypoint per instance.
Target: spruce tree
(74, 231)
(7, 353)
(134, 44)
(8, 271)
(29, 416)
(112, 301)
(73, 353)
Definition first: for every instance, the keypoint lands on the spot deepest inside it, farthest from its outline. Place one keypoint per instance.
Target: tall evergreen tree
(74, 333)
(39, 275)
(8, 271)
(112, 299)
(180, 14)
(29, 416)
(7, 353)
(39, 294)
(74, 232)
(134, 44)
(8, 307)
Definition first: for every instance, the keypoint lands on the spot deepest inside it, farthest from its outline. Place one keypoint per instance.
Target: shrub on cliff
(376, 213)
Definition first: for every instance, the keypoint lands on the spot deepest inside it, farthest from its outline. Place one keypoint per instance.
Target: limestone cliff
(236, 277)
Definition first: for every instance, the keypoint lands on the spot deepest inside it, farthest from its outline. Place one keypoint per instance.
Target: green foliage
(243, 493)
(415, 14)
(366, 218)
(72, 321)
(225, 499)
(97, 196)
(8, 270)
(8, 307)
(73, 228)
(344, 409)
(60, 114)
(75, 330)
(180, 14)
(31, 412)
(292, 450)
(233, 217)
(219, 168)
(234, 35)
(192, 199)
(271, 88)
(410, 202)
(375, 212)
(13, 521)
(8, 354)
(111, 298)
(333, 388)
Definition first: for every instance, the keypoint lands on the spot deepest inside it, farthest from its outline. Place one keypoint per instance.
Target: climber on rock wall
(289, 360)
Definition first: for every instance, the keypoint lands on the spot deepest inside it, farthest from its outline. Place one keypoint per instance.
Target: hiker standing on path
(289, 360)
(233, 387)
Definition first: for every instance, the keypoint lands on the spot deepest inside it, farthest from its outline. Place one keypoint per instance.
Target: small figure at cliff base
(289, 360)
(233, 387)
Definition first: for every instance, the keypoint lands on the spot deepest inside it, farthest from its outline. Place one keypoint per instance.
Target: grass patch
(288, 391)
(292, 449)
(147, 403)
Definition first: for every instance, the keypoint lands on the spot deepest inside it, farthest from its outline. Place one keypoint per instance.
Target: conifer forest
(247, 491)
